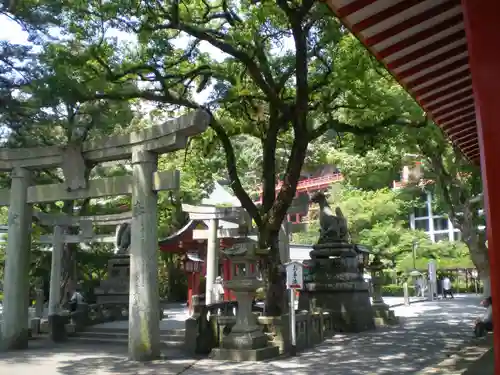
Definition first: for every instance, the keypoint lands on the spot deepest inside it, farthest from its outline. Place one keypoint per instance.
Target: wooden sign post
(294, 282)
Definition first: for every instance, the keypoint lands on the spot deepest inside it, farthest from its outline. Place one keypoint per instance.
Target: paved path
(429, 332)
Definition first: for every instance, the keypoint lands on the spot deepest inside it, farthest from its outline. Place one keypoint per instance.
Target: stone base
(351, 311)
(44, 326)
(57, 327)
(18, 342)
(384, 316)
(35, 326)
(241, 355)
(245, 340)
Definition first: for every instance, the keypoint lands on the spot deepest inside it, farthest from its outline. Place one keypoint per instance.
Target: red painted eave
(423, 45)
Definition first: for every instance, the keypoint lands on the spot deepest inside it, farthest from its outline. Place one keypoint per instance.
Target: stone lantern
(376, 268)
(383, 314)
(246, 341)
(363, 257)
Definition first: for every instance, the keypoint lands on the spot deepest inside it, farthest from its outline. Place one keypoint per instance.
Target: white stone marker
(294, 282)
(212, 260)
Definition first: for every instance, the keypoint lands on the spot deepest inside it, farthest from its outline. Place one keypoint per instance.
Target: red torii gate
(446, 53)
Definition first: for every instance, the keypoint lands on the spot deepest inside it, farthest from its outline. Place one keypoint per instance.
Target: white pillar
(212, 259)
(16, 281)
(56, 271)
(284, 242)
(412, 221)
(430, 216)
(144, 302)
(451, 231)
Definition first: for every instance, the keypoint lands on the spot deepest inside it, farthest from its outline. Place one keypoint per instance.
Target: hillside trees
(456, 182)
(374, 161)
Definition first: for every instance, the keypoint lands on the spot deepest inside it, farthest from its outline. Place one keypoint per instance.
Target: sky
(12, 32)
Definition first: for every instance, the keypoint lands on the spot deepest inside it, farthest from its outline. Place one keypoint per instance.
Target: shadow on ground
(46, 358)
(425, 337)
(428, 334)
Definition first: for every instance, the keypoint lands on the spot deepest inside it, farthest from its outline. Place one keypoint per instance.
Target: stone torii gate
(142, 148)
(212, 216)
(58, 239)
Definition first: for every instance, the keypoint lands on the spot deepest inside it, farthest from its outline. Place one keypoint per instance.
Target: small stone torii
(142, 148)
(60, 223)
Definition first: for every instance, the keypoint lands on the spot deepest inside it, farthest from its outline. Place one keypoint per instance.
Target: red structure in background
(311, 184)
(194, 255)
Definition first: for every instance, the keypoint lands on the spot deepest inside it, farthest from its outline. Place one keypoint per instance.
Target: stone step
(168, 338)
(119, 340)
(164, 335)
(97, 328)
(169, 332)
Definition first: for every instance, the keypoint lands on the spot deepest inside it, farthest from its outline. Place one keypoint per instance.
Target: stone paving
(429, 332)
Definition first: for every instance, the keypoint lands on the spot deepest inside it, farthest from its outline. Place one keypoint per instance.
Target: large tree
(279, 71)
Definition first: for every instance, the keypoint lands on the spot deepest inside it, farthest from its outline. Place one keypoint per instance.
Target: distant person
(485, 324)
(76, 300)
(218, 291)
(439, 287)
(447, 288)
(420, 287)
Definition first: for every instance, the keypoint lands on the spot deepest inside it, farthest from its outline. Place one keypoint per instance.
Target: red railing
(400, 184)
(316, 183)
(313, 183)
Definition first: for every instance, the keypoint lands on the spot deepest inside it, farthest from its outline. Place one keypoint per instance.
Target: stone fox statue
(333, 227)
(123, 238)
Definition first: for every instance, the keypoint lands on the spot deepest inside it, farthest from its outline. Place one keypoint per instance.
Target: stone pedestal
(57, 327)
(144, 301)
(39, 302)
(115, 289)
(16, 284)
(246, 341)
(245, 334)
(338, 286)
(384, 315)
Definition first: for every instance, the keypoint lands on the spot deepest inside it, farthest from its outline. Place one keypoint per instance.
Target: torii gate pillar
(16, 283)
(483, 35)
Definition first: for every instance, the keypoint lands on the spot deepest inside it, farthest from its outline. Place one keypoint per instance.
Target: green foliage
(279, 77)
(308, 237)
(395, 290)
(379, 220)
(3, 215)
(448, 255)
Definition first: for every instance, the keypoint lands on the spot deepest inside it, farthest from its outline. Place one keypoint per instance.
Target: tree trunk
(479, 255)
(275, 293)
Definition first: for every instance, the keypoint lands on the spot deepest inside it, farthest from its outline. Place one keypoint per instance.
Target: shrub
(393, 290)
(260, 294)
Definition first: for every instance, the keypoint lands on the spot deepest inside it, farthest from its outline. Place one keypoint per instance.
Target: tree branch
(236, 185)
(341, 127)
(208, 36)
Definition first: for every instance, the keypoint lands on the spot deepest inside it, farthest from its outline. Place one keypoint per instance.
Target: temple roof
(423, 44)
(221, 196)
(185, 233)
